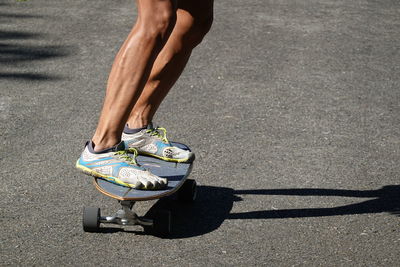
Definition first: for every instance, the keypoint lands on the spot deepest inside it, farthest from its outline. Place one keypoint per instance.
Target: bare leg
(194, 19)
(132, 66)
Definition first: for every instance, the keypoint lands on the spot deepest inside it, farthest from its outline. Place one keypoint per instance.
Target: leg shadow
(386, 199)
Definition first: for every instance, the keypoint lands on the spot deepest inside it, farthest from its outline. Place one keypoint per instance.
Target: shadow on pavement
(15, 35)
(206, 214)
(16, 48)
(5, 17)
(386, 199)
(28, 76)
(12, 54)
(214, 205)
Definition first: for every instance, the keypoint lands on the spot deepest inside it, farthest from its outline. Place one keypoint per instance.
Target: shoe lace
(159, 132)
(126, 157)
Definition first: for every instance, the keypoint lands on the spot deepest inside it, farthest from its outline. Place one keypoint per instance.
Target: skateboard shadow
(207, 213)
(214, 204)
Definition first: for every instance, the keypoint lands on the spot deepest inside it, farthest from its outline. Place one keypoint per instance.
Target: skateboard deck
(176, 173)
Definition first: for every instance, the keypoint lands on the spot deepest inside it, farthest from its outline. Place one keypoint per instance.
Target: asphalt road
(292, 108)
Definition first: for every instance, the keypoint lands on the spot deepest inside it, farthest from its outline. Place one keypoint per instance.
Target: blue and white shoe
(153, 142)
(117, 166)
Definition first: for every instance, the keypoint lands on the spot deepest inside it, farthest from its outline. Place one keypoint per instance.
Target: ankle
(138, 122)
(128, 130)
(100, 144)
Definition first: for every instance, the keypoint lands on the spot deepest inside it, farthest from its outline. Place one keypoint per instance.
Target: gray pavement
(292, 108)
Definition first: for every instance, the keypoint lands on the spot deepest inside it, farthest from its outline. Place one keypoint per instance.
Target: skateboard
(160, 222)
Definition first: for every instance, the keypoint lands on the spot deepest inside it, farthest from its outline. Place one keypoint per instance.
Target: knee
(196, 30)
(158, 26)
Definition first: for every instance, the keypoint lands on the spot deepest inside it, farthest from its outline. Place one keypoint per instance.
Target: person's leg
(131, 68)
(105, 155)
(194, 19)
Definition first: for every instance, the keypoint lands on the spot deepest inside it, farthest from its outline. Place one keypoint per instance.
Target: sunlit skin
(149, 63)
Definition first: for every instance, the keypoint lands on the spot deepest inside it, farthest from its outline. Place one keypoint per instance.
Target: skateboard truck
(159, 225)
(126, 216)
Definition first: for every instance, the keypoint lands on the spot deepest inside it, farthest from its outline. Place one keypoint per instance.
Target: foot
(153, 142)
(117, 166)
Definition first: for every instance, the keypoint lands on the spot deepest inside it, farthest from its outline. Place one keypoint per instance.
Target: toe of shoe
(186, 156)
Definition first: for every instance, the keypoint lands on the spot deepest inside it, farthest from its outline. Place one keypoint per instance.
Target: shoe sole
(93, 173)
(110, 179)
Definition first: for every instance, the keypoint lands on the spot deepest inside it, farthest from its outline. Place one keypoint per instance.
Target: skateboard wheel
(161, 223)
(91, 219)
(188, 191)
